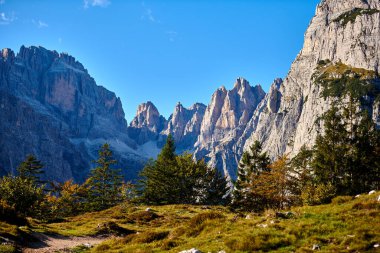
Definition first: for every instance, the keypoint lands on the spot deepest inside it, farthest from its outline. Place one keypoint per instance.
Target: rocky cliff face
(51, 107)
(343, 32)
(185, 125)
(224, 122)
(147, 124)
(210, 132)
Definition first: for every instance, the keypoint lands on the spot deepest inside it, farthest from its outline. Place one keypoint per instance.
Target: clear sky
(164, 51)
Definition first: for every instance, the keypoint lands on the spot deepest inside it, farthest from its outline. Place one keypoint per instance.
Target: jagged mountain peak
(147, 115)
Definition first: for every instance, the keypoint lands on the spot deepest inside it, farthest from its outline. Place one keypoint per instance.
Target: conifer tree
(252, 164)
(104, 182)
(31, 169)
(173, 179)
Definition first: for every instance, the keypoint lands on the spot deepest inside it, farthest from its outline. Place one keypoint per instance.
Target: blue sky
(164, 51)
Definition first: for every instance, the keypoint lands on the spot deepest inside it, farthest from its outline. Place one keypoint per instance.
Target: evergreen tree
(104, 182)
(346, 156)
(252, 164)
(330, 159)
(167, 154)
(31, 169)
(173, 179)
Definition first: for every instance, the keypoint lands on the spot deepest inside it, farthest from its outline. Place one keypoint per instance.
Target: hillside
(346, 225)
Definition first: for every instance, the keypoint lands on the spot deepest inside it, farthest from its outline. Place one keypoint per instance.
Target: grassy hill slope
(346, 225)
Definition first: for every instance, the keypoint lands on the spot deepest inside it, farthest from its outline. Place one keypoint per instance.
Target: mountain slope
(342, 32)
(51, 107)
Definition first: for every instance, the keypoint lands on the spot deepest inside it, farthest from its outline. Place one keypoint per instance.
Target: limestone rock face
(147, 124)
(52, 108)
(224, 122)
(185, 124)
(342, 31)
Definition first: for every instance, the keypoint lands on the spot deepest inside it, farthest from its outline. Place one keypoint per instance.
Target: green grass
(350, 16)
(346, 225)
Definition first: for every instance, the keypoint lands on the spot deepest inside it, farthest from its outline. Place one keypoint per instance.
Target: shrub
(8, 214)
(319, 194)
(8, 248)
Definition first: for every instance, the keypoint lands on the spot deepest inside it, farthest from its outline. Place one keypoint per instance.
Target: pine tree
(178, 179)
(104, 182)
(167, 154)
(346, 156)
(330, 160)
(252, 164)
(31, 168)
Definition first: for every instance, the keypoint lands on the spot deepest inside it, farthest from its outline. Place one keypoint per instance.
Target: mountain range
(50, 106)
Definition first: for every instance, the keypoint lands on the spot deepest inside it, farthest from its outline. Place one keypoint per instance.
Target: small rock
(148, 210)
(357, 196)
(193, 250)
(378, 198)
(371, 192)
(248, 217)
(205, 207)
(262, 225)
(316, 247)
(222, 251)
(376, 245)
(87, 245)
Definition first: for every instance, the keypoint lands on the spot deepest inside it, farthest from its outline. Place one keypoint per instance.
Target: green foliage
(21, 194)
(104, 183)
(69, 199)
(252, 164)
(340, 80)
(173, 179)
(31, 168)
(350, 16)
(7, 248)
(347, 154)
(317, 194)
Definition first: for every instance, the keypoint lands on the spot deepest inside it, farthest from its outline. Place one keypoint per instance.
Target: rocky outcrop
(147, 124)
(224, 122)
(51, 107)
(342, 31)
(185, 125)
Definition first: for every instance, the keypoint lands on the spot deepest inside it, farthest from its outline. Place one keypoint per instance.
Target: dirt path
(52, 243)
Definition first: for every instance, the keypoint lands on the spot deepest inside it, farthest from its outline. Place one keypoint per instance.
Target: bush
(8, 248)
(8, 214)
(21, 194)
(316, 195)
